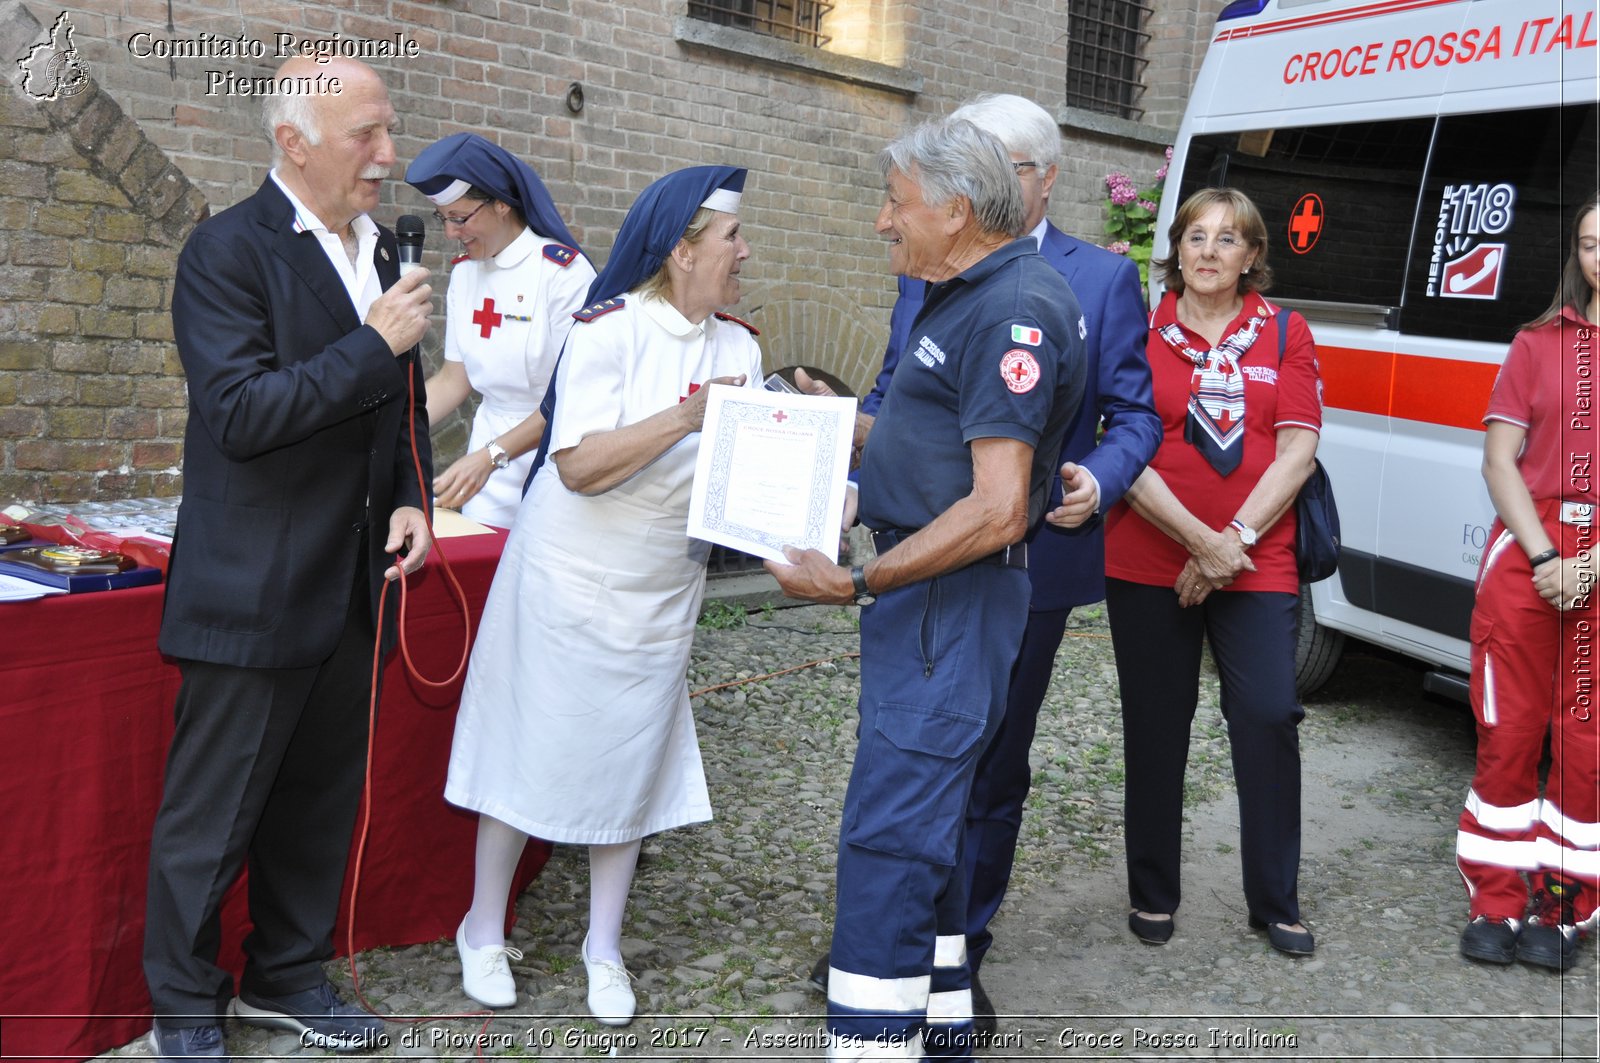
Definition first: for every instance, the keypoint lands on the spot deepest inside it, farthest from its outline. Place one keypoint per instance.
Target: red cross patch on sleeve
(1020, 370)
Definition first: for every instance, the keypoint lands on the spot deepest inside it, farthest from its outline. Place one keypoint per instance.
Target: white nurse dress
(575, 723)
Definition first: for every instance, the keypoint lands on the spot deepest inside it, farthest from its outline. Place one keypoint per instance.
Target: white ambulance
(1418, 164)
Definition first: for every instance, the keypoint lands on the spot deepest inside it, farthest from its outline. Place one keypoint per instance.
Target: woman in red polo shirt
(1533, 632)
(1202, 549)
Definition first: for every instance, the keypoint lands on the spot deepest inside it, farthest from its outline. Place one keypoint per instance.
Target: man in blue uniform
(1066, 557)
(993, 372)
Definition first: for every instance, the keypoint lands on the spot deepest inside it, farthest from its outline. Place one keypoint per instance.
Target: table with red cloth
(85, 717)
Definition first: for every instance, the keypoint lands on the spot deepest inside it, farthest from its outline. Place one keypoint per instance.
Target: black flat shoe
(1148, 930)
(1289, 942)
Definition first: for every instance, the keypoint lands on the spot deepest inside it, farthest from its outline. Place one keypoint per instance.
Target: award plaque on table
(771, 471)
(75, 569)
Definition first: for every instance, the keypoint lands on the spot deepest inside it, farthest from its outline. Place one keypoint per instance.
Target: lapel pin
(383, 252)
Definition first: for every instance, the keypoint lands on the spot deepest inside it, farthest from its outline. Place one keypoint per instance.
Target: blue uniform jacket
(1067, 568)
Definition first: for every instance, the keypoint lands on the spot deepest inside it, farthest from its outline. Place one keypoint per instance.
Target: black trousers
(1157, 645)
(266, 767)
(994, 811)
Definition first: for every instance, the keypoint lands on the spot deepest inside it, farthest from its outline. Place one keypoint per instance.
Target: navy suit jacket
(1067, 568)
(297, 442)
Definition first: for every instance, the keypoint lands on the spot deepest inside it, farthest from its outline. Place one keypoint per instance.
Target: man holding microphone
(298, 340)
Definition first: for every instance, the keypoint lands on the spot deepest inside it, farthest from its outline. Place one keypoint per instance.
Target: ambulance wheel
(1316, 649)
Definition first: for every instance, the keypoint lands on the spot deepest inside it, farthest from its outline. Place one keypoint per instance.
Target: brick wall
(1179, 32)
(91, 216)
(90, 393)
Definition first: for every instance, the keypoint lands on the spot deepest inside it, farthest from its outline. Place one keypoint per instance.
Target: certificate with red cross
(771, 471)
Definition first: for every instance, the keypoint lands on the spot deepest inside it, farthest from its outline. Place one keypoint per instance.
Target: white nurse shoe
(611, 998)
(486, 972)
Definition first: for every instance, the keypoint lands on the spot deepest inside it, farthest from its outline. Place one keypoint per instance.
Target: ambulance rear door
(1334, 159)
(1513, 157)
(1359, 130)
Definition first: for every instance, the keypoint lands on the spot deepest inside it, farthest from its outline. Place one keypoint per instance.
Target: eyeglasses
(1020, 166)
(445, 219)
(1225, 241)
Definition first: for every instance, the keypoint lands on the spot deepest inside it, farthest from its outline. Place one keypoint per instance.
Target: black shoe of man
(318, 1015)
(818, 978)
(984, 1023)
(187, 1042)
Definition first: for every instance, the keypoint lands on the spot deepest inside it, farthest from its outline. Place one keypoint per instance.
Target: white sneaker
(610, 996)
(486, 972)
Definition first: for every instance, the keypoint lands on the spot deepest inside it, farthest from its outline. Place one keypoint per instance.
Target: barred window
(791, 20)
(1105, 56)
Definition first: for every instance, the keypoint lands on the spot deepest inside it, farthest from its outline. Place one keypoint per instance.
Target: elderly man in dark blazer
(298, 338)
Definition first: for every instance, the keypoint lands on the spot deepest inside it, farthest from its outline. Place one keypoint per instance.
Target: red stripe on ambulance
(1413, 387)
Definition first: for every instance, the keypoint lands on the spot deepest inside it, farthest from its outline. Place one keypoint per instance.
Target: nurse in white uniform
(575, 723)
(508, 310)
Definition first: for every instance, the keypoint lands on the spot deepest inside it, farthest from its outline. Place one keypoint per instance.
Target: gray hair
(950, 157)
(290, 108)
(1023, 126)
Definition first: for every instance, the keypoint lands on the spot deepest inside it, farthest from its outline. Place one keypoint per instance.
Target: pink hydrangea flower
(1122, 190)
(1118, 247)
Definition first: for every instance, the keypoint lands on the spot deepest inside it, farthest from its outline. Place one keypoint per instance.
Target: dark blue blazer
(1067, 568)
(296, 443)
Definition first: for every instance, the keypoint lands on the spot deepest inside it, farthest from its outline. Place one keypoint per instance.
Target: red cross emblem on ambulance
(1305, 223)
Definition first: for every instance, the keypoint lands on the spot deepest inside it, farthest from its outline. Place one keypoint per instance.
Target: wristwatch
(858, 576)
(497, 455)
(1247, 534)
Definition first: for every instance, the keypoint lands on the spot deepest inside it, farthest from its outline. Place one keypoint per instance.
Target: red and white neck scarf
(1215, 425)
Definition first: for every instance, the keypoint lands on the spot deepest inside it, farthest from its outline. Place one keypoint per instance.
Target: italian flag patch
(1023, 334)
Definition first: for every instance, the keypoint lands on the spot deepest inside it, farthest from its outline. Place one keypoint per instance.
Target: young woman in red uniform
(1533, 633)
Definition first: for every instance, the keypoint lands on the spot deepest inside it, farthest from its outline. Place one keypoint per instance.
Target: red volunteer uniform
(1284, 394)
(1533, 667)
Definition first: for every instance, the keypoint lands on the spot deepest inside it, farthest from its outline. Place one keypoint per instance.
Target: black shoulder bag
(1316, 537)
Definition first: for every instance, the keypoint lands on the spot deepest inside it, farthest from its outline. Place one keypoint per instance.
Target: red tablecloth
(85, 718)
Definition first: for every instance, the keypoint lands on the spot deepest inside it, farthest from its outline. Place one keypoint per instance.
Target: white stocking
(499, 850)
(610, 876)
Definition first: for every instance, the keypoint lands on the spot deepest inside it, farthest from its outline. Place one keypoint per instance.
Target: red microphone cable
(372, 712)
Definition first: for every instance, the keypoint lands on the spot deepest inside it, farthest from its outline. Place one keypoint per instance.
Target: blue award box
(76, 569)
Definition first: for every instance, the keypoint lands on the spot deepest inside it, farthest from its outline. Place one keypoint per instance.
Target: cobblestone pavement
(727, 918)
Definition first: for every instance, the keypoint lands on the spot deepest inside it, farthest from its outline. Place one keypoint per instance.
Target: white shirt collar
(513, 254)
(360, 278)
(306, 220)
(1039, 231)
(667, 316)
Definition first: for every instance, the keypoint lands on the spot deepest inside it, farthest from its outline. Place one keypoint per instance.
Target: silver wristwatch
(497, 455)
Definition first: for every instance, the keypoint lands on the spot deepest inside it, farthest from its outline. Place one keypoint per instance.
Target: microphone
(409, 233)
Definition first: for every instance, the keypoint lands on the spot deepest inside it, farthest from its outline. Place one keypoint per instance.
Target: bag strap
(1283, 331)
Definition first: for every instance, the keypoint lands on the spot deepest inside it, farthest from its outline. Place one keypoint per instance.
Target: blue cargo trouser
(936, 660)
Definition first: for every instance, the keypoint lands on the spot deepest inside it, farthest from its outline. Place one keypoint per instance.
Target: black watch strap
(858, 576)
